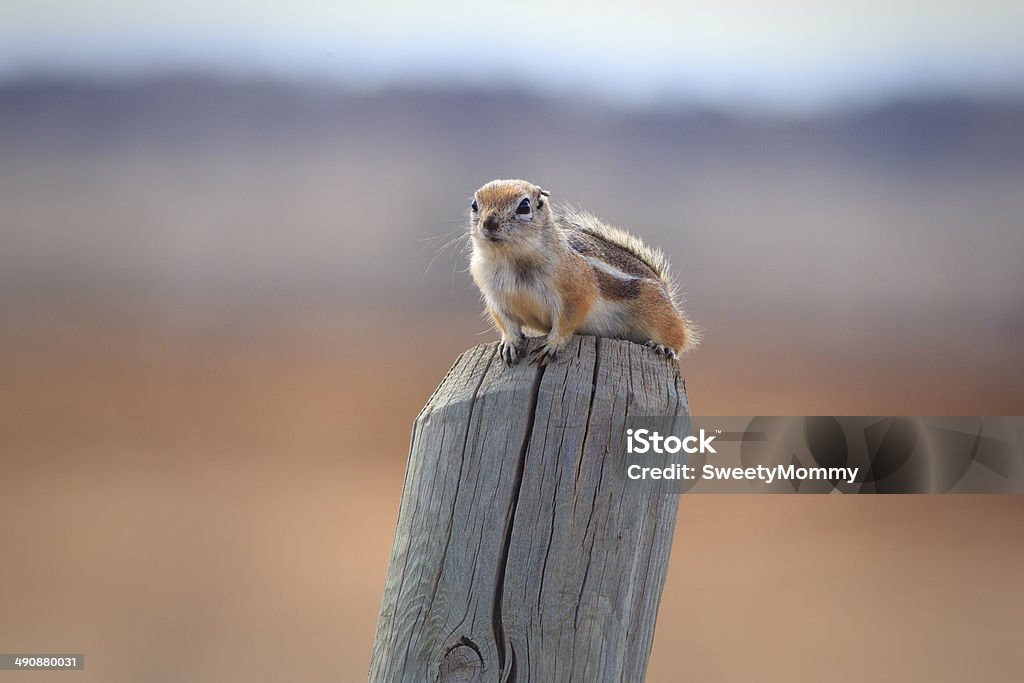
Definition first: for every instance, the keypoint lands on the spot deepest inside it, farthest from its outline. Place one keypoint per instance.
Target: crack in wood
(499, 587)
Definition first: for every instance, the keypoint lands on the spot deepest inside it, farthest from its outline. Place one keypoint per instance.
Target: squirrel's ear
(544, 193)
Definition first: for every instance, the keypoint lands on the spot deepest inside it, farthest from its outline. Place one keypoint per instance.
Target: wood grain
(519, 555)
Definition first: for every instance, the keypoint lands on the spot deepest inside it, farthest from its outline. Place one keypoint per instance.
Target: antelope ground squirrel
(559, 271)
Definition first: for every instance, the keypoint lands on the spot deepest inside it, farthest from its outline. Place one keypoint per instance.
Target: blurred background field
(224, 298)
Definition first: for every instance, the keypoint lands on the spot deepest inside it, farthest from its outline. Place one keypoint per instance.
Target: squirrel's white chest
(519, 293)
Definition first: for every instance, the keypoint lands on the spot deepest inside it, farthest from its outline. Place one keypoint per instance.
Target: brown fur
(498, 193)
(614, 288)
(614, 255)
(660, 320)
(579, 294)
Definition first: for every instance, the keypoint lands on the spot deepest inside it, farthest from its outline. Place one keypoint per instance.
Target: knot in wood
(461, 664)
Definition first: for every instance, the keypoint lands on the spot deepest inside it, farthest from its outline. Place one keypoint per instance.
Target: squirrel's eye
(524, 207)
(474, 206)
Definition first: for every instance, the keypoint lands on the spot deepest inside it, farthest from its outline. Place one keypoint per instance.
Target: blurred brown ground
(210, 496)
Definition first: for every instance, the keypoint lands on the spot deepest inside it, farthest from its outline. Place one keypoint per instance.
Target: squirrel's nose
(490, 223)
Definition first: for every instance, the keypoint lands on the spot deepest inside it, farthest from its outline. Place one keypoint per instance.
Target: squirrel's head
(509, 214)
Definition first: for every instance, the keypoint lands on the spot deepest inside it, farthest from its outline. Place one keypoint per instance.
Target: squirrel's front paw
(511, 350)
(545, 353)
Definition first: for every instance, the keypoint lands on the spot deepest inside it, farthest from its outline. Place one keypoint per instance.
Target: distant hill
(917, 133)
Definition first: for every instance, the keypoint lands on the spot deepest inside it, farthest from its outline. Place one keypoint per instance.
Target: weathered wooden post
(519, 555)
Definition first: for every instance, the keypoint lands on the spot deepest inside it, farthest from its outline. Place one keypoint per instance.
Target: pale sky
(795, 53)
